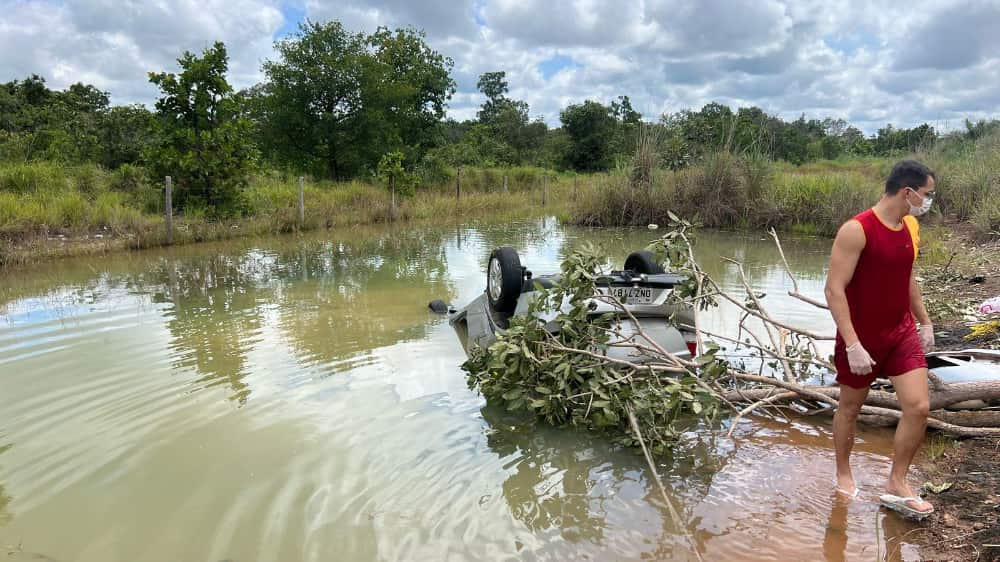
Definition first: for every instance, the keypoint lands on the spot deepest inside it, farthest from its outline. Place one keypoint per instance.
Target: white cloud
(113, 45)
(900, 61)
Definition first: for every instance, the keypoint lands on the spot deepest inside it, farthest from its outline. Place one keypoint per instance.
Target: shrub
(32, 177)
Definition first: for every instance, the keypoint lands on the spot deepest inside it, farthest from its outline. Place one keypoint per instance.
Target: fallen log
(942, 397)
(969, 418)
(960, 431)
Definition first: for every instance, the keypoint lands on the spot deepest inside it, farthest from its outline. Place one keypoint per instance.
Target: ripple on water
(774, 500)
(292, 399)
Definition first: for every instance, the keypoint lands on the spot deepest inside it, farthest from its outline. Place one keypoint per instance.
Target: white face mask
(924, 206)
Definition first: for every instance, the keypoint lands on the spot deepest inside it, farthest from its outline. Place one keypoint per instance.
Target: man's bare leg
(845, 420)
(911, 391)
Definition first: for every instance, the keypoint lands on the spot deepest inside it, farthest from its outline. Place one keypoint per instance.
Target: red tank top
(879, 293)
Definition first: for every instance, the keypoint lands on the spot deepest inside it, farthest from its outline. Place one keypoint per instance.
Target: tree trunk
(940, 398)
(331, 161)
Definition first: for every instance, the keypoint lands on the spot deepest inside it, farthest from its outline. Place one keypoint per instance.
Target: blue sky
(903, 62)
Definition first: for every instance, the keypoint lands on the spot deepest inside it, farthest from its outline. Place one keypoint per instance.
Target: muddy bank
(966, 522)
(964, 272)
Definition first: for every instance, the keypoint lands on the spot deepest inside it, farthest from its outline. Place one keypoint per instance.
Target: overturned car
(642, 286)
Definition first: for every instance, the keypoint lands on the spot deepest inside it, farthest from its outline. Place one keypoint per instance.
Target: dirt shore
(966, 522)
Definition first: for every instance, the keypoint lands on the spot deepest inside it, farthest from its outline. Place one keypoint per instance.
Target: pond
(292, 398)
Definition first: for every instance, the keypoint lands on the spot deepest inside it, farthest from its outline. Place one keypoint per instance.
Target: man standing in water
(873, 296)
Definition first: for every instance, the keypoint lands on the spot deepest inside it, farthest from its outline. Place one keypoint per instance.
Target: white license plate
(632, 295)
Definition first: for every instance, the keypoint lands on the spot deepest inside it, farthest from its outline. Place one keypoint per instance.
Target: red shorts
(905, 355)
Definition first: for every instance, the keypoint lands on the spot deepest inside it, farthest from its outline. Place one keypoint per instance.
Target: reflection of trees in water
(331, 298)
(563, 478)
(4, 502)
(555, 476)
(519, 234)
(215, 316)
(4, 498)
(808, 256)
(351, 296)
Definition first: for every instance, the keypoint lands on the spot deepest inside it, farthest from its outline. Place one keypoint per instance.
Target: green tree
(50, 124)
(623, 111)
(201, 140)
(394, 176)
(591, 129)
(493, 85)
(125, 131)
(508, 122)
(334, 101)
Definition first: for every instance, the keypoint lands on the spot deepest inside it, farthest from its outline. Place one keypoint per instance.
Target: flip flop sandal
(849, 494)
(900, 505)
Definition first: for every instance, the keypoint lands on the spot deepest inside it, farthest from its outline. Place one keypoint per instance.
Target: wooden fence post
(458, 184)
(392, 189)
(169, 208)
(302, 203)
(545, 190)
(576, 186)
(505, 183)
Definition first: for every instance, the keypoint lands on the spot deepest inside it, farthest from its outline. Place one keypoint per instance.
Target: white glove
(861, 363)
(926, 332)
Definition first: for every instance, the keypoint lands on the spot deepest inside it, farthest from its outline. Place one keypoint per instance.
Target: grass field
(738, 191)
(41, 201)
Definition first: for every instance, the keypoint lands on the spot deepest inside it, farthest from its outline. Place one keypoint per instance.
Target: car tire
(504, 279)
(643, 261)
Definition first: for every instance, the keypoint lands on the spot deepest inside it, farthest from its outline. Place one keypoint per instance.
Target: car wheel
(504, 278)
(643, 261)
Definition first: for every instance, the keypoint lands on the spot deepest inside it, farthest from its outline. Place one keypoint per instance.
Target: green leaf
(512, 394)
(703, 360)
(543, 389)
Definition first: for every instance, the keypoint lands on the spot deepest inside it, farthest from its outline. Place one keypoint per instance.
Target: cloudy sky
(903, 62)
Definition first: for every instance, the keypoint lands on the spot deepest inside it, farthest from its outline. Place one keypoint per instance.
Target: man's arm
(917, 302)
(847, 247)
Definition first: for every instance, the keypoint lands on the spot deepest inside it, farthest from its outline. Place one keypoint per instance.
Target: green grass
(727, 190)
(938, 444)
(724, 190)
(40, 200)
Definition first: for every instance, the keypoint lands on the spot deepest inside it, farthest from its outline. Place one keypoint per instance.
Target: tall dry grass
(969, 181)
(726, 189)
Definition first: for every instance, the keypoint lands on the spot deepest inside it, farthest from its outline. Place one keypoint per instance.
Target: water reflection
(576, 485)
(4, 502)
(556, 484)
(4, 498)
(894, 530)
(348, 298)
(835, 539)
(214, 319)
(327, 299)
(355, 432)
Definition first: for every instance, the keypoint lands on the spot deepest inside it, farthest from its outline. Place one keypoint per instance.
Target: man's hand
(861, 363)
(926, 332)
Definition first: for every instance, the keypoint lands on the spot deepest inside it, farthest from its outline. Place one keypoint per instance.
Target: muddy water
(292, 399)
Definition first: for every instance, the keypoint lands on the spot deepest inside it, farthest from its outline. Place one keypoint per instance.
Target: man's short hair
(907, 173)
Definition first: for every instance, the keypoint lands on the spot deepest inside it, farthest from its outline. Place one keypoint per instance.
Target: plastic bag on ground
(990, 306)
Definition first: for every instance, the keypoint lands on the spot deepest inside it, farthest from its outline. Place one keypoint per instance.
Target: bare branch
(795, 283)
(755, 405)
